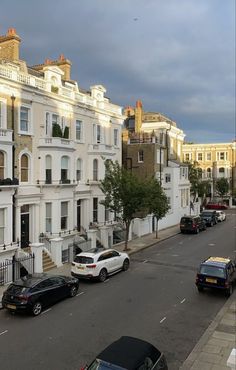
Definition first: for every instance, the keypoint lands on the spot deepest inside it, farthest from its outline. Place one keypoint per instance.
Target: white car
(221, 216)
(99, 263)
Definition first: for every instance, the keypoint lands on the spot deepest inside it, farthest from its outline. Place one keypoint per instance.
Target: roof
(217, 261)
(129, 352)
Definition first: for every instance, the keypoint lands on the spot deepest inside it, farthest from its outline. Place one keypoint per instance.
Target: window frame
(3, 225)
(48, 217)
(140, 156)
(79, 138)
(64, 217)
(95, 209)
(3, 167)
(25, 168)
(28, 121)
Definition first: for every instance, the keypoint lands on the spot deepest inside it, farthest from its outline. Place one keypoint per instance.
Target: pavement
(212, 351)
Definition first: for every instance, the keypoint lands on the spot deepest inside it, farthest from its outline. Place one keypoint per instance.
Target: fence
(11, 270)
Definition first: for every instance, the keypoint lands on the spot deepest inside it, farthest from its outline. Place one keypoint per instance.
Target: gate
(11, 270)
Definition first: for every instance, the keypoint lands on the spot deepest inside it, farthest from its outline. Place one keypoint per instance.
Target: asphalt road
(154, 300)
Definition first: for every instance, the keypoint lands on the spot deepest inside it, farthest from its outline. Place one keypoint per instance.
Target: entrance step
(48, 264)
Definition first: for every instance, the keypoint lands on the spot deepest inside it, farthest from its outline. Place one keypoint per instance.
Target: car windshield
(186, 220)
(212, 271)
(102, 365)
(208, 214)
(83, 259)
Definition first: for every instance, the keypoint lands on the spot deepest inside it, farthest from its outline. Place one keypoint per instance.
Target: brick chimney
(9, 45)
(63, 63)
(138, 116)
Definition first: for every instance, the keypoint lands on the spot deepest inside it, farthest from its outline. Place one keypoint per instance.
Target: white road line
(79, 294)
(211, 244)
(183, 300)
(164, 318)
(145, 261)
(175, 255)
(106, 281)
(3, 332)
(49, 309)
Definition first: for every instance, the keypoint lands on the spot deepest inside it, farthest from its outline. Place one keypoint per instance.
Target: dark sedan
(129, 353)
(32, 293)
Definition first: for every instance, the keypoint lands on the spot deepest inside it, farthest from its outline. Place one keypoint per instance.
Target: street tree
(157, 203)
(195, 178)
(222, 187)
(125, 194)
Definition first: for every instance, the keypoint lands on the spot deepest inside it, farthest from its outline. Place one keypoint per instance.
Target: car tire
(197, 231)
(37, 309)
(73, 291)
(200, 289)
(125, 265)
(211, 224)
(102, 275)
(229, 291)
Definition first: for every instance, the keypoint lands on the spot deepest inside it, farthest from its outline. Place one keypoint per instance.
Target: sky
(176, 56)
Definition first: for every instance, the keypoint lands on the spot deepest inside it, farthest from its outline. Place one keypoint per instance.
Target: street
(156, 300)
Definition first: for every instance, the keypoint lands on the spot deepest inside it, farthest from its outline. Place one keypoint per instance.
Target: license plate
(80, 267)
(208, 280)
(11, 306)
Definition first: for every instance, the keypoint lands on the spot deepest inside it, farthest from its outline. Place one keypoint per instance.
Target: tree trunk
(127, 224)
(156, 228)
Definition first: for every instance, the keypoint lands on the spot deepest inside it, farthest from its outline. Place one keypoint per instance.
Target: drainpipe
(13, 163)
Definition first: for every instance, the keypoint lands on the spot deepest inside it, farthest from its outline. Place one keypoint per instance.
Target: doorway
(24, 223)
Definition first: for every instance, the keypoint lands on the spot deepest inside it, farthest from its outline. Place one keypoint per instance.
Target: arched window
(64, 169)
(48, 169)
(2, 165)
(208, 173)
(24, 165)
(79, 169)
(95, 170)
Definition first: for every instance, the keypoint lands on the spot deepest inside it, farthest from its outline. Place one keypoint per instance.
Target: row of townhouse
(54, 138)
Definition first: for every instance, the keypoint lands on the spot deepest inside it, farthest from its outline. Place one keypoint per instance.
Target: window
(140, 156)
(64, 169)
(48, 217)
(199, 156)
(116, 137)
(98, 133)
(47, 128)
(78, 128)
(167, 177)
(160, 156)
(2, 114)
(79, 169)
(208, 156)
(187, 157)
(48, 166)
(184, 197)
(106, 216)
(95, 170)
(95, 209)
(2, 225)
(2, 165)
(64, 215)
(24, 165)
(222, 156)
(25, 120)
(221, 172)
(208, 173)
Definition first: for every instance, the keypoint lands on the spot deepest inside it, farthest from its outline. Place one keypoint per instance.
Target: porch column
(149, 218)
(104, 236)
(56, 250)
(91, 233)
(37, 250)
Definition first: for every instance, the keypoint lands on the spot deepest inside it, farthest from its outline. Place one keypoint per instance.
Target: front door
(24, 230)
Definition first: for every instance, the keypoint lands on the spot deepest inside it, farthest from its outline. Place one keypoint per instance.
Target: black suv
(192, 224)
(209, 216)
(216, 272)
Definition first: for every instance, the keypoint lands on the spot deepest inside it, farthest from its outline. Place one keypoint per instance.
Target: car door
(44, 292)
(60, 288)
(108, 261)
(118, 261)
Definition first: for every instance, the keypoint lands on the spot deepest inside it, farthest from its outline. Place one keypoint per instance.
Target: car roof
(31, 280)
(216, 261)
(129, 352)
(94, 251)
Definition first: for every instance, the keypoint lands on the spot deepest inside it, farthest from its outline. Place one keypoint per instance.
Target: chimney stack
(9, 45)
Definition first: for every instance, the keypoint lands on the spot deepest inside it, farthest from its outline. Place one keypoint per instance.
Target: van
(192, 224)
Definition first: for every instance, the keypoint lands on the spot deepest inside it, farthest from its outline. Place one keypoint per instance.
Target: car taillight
(23, 298)
(194, 226)
(91, 266)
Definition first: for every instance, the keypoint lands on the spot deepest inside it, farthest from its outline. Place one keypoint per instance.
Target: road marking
(180, 242)
(164, 318)
(3, 332)
(49, 309)
(211, 244)
(175, 255)
(79, 294)
(106, 281)
(145, 261)
(183, 300)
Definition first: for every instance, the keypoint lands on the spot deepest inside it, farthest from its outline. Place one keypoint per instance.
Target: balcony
(57, 143)
(100, 149)
(5, 135)
(9, 182)
(57, 183)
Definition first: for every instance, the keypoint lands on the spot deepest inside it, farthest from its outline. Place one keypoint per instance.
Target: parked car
(192, 224)
(33, 293)
(216, 205)
(209, 216)
(218, 273)
(129, 353)
(221, 216)
(98, 264)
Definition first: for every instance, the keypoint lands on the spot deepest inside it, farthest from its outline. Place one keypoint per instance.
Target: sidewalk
(214, 347)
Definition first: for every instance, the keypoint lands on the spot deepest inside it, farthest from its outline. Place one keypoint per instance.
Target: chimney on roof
(138, 116)
(9, 45)
(65, 65)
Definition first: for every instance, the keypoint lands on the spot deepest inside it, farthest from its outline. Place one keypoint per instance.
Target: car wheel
(211, 224)
(229, 291)
(73, 291)
(197, 231)
(37, 309)
(125, 265)
(102, 275)
(200, 289)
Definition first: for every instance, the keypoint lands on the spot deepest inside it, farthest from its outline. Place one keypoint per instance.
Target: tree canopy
(222, 186)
